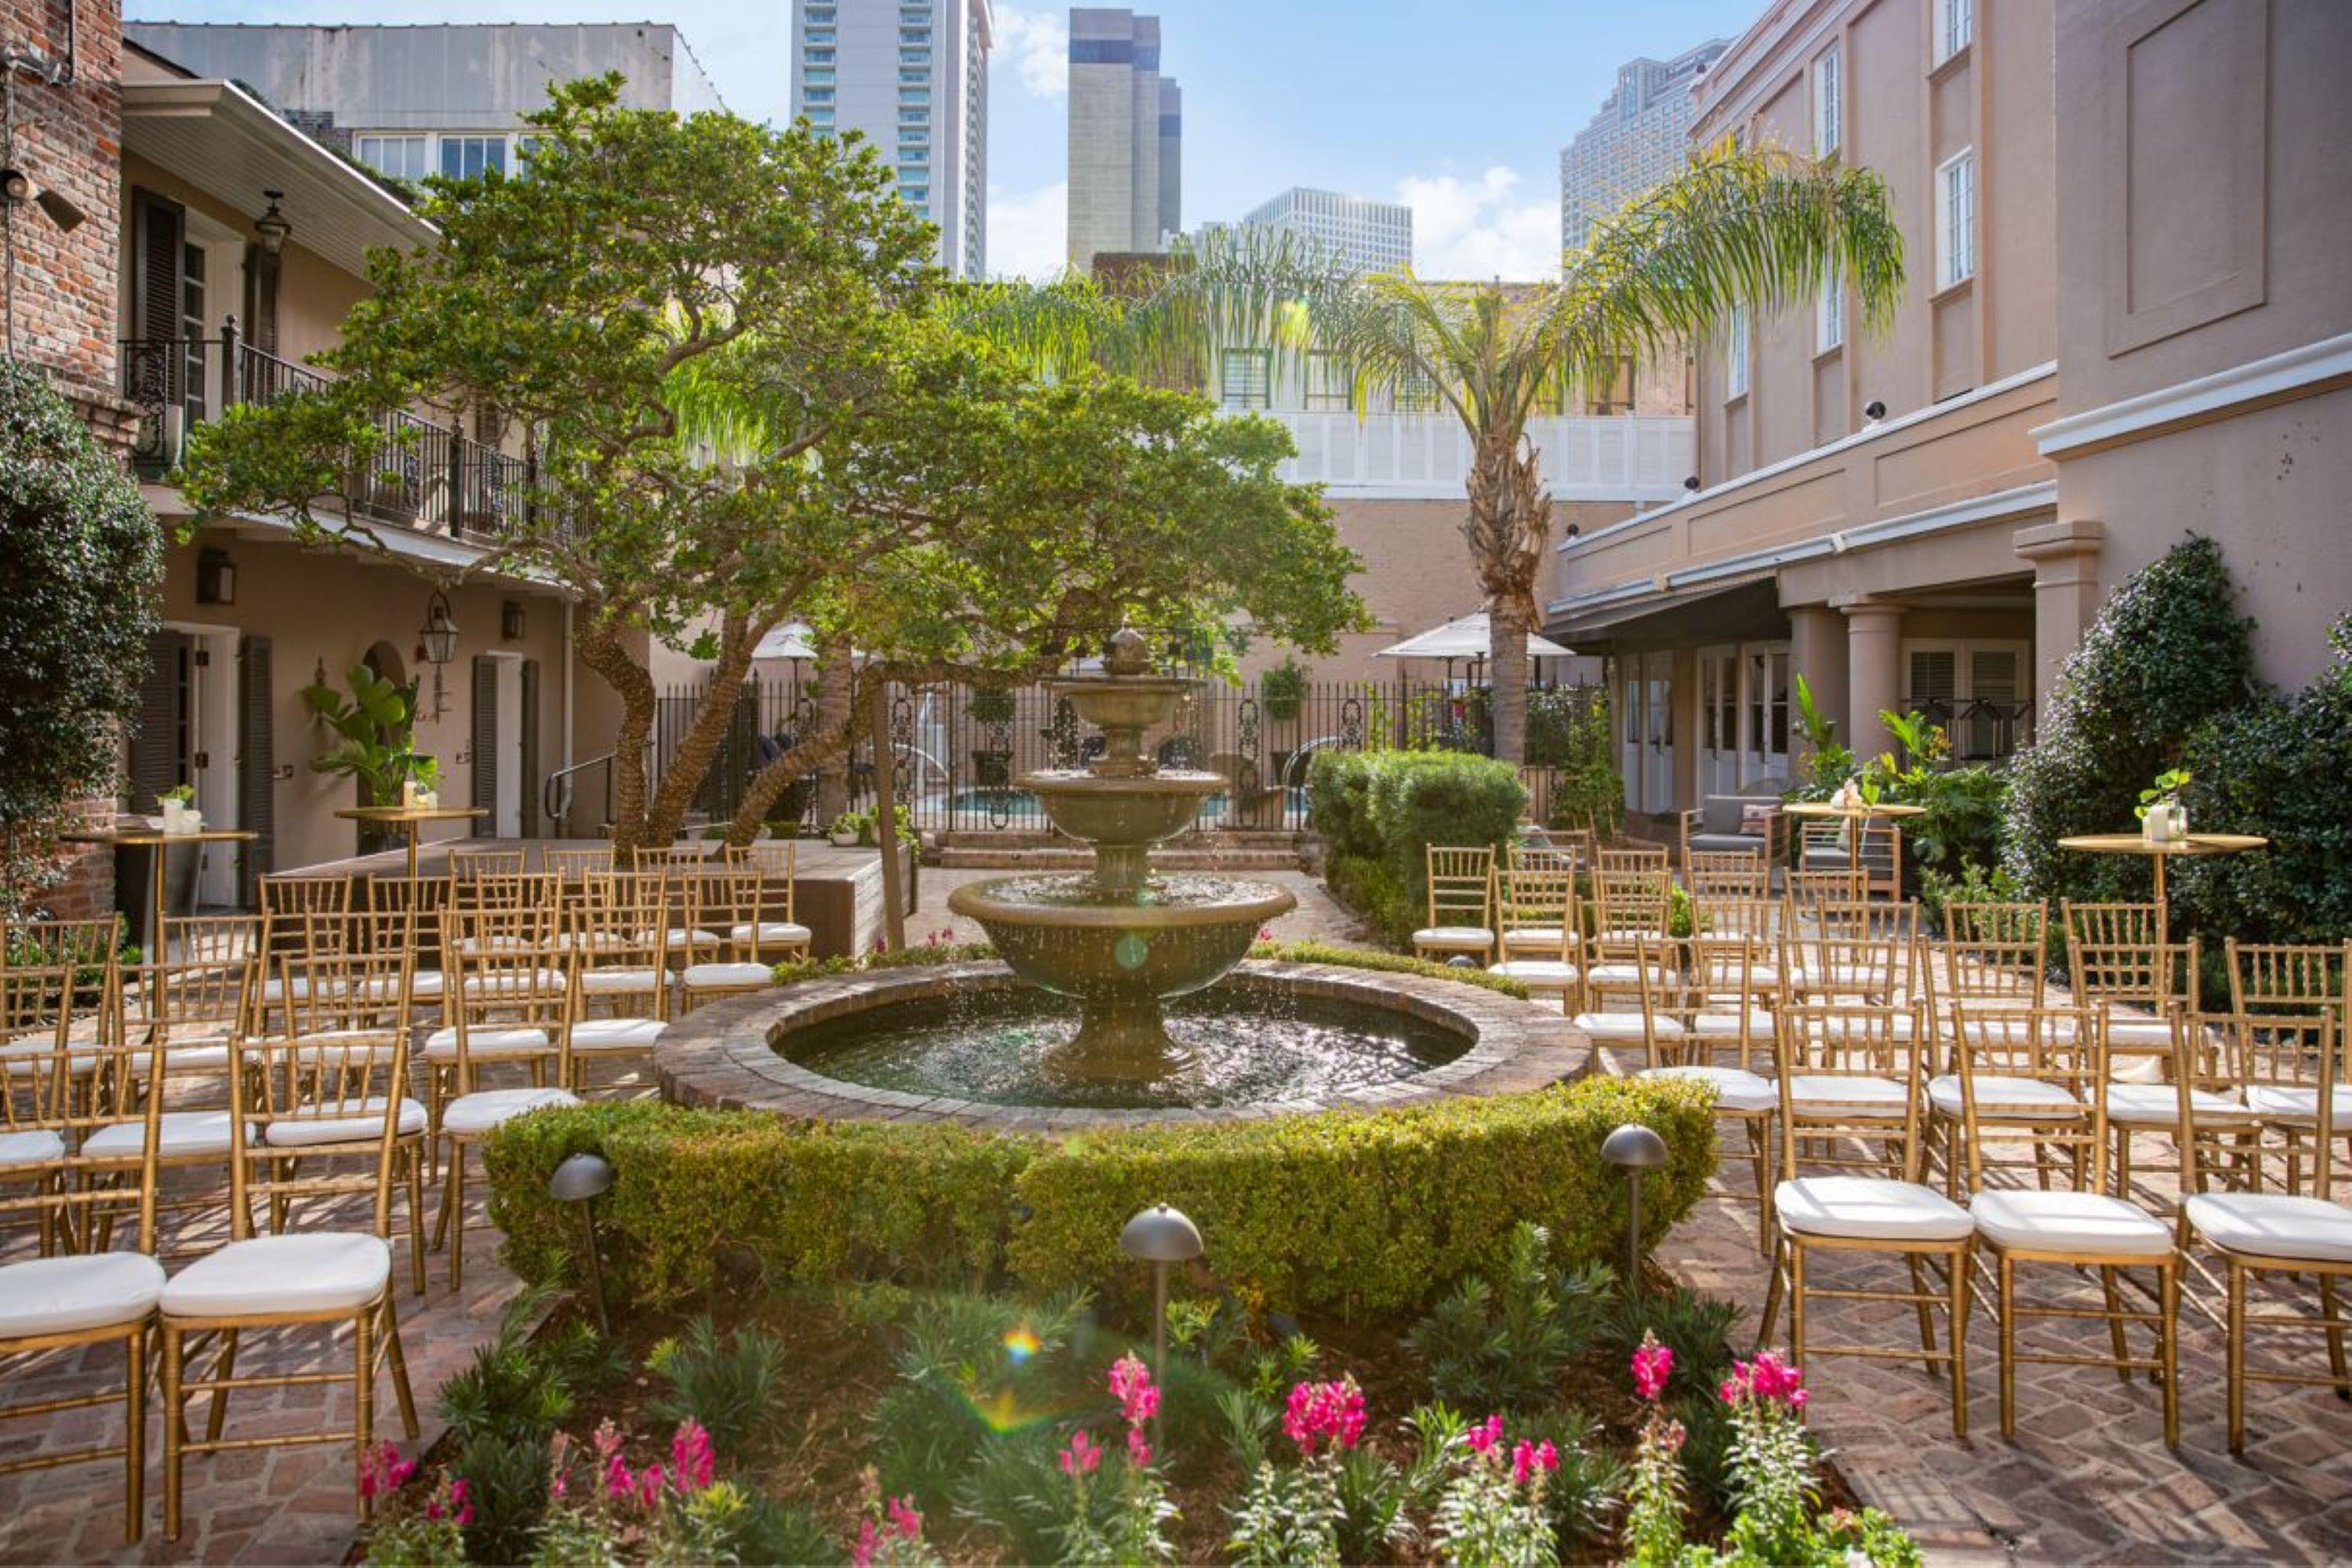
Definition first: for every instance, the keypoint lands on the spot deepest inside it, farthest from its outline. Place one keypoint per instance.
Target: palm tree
(1754, 229)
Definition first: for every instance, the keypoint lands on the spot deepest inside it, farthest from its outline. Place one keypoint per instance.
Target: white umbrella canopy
(790, 640)
(1469, 637)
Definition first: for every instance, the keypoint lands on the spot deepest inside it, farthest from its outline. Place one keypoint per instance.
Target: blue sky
(1457, 108)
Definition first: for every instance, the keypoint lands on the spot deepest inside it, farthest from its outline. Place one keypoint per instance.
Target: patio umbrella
(1468, 638)
(791, 641)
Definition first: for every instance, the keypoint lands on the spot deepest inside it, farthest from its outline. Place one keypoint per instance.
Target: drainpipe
(566, 747)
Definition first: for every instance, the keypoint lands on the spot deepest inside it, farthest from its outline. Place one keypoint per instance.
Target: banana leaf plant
(373, 734)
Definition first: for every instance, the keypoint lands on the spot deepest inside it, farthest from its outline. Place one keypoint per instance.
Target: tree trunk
(835, 682)
(822, 747)
(1508, 528)
(601, 650)
(683, 773)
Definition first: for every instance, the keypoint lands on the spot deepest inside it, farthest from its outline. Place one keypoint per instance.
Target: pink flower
(1138, 1449)
(1529, 1459)
(869, 1541)
(460, 1509)
(1768, 1378)
(618, 1482)
(384, 1472)
(1653, 1365)
(1320, 1413)
(1484, 1436)
(1131, 1385)
(1083, 1456)
(691, 1458)
(904, 1518)
(1265, 934)
(650, 1484)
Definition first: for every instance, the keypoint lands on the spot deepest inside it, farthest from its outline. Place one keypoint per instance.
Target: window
(1735, 353)
(1828, 314)
(1829, 109)
(1956, 219)
(1974, 690)
(1245, 378)
(1617, 395)
(471, 157)
(1330, 382)
(1956, 27)
(401, 157)
(1416, 393)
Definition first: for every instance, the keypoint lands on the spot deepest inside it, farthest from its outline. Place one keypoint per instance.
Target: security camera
(17, 187)
(1874, 411)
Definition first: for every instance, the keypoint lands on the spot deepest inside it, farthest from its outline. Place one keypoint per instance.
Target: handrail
(557, 802)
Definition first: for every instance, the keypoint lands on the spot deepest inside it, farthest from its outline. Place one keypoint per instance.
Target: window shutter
(159, 750)
(161, 261)
(1934, 677)
(528, 784)
(256, 767)
(486, 737)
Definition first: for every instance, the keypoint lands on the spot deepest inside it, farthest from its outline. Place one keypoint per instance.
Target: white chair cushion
(509, 982)
(193, 1054)
(2068, 1222)
(481, 1111)
(1734, 1088)
(1725, 1024)
(2281, 1102)
(441, 1045)
(1622, 1027)
(32, 1055)
(617, 1034)
(2139, 1034)
(2158, 1105)
(426, 983)
(1537, 974)
(1869, 1209)
(358, 1121)
(2002, 1095)
(678, 937)
(622, 981)
(307, 1272)
(782, 931)
(1624, 974)
(1548, 937)
(68, 1295)
(1844, 1092)
(1466, 938)
(36, 1146)
(719, 976)
(2272, 1224)
(184, 1132)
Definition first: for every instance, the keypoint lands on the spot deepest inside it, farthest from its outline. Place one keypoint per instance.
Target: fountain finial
(1127, 653)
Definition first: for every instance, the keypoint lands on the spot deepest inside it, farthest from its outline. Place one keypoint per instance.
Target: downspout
(567, 661)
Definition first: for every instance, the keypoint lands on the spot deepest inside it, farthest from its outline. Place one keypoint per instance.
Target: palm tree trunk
(1508, 526)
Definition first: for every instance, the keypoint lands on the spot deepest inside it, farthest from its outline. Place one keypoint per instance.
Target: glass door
(1718, 721)
(1658, 732)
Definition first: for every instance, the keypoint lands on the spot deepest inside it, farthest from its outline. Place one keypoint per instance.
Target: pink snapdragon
(904, 1518)
(1083, 1456)
(1324, 1413)
(452, 1505)
(1138, 1450)
(1484, 1436)
(384, 1472)
(1653, 1363)
(1131, 1385)
(692, 1461)
(1768, 1378)
(1530, 1458)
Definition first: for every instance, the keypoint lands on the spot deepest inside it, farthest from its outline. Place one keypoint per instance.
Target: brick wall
(69, 140)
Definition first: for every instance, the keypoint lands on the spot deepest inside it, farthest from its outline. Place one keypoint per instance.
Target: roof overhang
(224, 141)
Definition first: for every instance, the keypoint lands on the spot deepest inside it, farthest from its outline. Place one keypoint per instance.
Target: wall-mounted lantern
(216, 577)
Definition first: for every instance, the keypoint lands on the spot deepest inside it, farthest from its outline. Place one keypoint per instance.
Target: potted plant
(2162, 818)
(849, 829)
(989, 705)
(179, 813)
(372, 739)
(991, 765)
(1282, 691)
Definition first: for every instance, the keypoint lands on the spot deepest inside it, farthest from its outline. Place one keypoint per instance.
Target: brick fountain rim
(721, 1056)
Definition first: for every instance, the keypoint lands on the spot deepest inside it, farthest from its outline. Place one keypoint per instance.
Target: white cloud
(1036, 44)
(1481, 228)
(1028, 233)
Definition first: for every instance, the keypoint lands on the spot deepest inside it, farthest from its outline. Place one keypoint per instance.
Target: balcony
(430, 478)
(1427, 456)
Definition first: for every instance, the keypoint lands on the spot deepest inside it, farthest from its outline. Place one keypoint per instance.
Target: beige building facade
(2109, 339)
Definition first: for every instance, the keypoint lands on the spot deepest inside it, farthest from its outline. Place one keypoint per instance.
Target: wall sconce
(271, 229)
(439, 635)
(216, 577)
(17, 186)
(510, 621)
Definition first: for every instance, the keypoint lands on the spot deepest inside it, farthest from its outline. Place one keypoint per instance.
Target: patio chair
(1542, 947)
(1828, 846)
(2119, 962)
(1700, 1000)
(1735, 874)
(62, 1031)
(1461, 903)
(619, 944)
(1561, 849)
(1736, 824)
(2277, 992)
(1633, 914)
(573, 866)
(476, 865)
(754, 901)
(2037, 1075)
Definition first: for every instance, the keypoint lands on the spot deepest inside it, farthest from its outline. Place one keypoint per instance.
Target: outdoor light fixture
(17, 187)
(1691, 483)
(271, 229)
(439, 635)
(1159, 1235)
(583, 1179)
(1574, 532)
(1874, 411)
(216, 577)
(1634, 1149)
(510, 621)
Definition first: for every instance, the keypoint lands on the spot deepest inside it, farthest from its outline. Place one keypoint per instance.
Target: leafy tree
(1749, 229)
(83, 562)
(725, 345)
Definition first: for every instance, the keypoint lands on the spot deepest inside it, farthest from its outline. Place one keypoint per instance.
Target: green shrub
(2168, 652)
(1375, 889)
(1386, 962)
(1500, 1341)
(1338, 801)
(1369, 1212)
(514, 1391)
(729, 1387)
(1282, 690)
(1378, 812)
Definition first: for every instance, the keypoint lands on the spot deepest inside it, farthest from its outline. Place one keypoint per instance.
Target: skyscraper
(1638, 139)
(912, 76)
(1127, 138)
(1372, 237)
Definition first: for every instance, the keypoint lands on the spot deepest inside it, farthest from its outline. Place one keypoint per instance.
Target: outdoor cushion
(441, 1045)
(36, 1146)
(1757, 818)
(353, 1122)
(772, 930)
(680, 937)
(2273, 1224)
(2139, 1034)
(1622, 1025)
(1466, 938)
(2006, 1096)
(1721, 814)
(2068, 1222)
(2283, 1102)
(1547, 938)
(184, 1132)
(1853, 1091)
(1869, 1209)
(609, 981)
(1723, 1023)
(478, 1112)
(2158, 1105)
(713, 976)
(510, 982)
(307, 1272)
(1538, 974)
(1624, 974)
(68, 1295)
(617, 1034)
(1736, 1090)
(1733, 843)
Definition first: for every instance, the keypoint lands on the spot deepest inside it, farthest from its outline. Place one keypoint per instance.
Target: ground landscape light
(1159, 1235)
(583, 1179)
(1634, 1149)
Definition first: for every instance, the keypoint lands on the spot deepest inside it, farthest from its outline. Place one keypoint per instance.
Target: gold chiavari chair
(2067, 1217)
(1851, 1100)
(751, 916)
(65, 976)
(1868, 952)
(2119, 962)
(532, 992)
(574, 866)
(2278, 993)
(91, 1297)
(1542, 945)
(1700, 999)
(619, 943)
(759, 915)
(1809, 889)
(200, 1001)
(1712, 874)
(1461, 903)
(306, 1095)
(533, 900)
(474, 864)
(294, 897)
(1827, 845)
(1632, 909)
(2277, 1238)
(62, 1028)
(1554, 848)
(1991, 956)
(494, 1026)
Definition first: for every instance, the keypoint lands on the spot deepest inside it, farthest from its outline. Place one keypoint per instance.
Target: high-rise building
(1641, 136)
(1371, 237)
(911, 76)
(1127, 138)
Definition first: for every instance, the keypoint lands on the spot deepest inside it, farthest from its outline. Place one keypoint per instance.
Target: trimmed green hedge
(1378, 813)
(1363, 1211)
(1386, 963)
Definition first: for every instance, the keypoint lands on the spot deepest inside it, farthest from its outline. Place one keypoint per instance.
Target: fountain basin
(1119, 811)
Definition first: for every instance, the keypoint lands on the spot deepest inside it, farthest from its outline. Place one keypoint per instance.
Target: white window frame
(1956, 219)
(1828, 314)
(1964, 651)
(410, 142)
(1252, 388)
(1829, 101)
(1955, 28)
(443, 144)
(1735, 353)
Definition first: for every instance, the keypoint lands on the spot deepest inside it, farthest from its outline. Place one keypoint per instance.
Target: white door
(507, 818)
(1763, 712)
(1658, 732)
(1632, 718)
(211, 759)
(1718, 721)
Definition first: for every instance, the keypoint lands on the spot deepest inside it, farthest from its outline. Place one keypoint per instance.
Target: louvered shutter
(486, 737)
(158, 289)
(528, 785)
(256, 767)
(159, 749)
